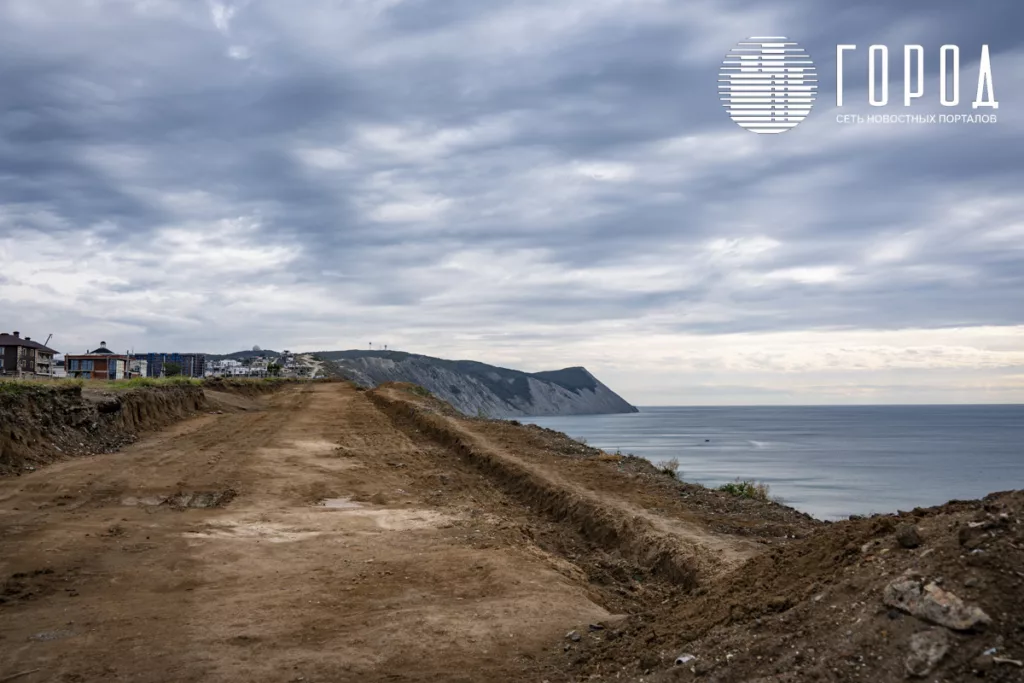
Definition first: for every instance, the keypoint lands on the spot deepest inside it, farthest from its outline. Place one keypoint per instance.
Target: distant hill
(241, 355)
(477, 388)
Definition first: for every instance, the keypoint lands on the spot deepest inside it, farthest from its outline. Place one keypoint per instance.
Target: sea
(828, 461)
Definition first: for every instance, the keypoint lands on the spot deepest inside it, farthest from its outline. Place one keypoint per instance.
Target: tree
(172, 369)
(274, 369)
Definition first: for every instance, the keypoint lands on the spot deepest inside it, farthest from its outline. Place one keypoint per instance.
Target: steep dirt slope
(41, 423)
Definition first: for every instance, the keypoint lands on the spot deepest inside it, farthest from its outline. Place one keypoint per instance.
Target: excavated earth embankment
(41, 423)
(585, 493)
(317, 532)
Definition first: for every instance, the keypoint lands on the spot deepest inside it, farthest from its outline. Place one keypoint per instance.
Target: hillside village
(25, 358)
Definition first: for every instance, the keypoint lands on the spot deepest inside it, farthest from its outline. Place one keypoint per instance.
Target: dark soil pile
(835, 607)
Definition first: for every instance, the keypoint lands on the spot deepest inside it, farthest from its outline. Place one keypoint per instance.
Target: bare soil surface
(323, 533)
(817, 610)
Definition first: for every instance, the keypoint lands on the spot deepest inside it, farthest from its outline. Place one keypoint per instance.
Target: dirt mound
(633, 536)
(937, 592)
(666, 548)
(227, 402)
(42, 423)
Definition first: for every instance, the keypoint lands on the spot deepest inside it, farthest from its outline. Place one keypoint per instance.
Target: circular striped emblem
(767, 84)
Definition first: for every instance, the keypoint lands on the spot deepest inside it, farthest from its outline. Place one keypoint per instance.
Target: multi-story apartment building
(191, 364)
(23, 357)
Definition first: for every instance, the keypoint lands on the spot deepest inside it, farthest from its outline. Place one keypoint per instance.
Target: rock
(1006, 660)
(574, 636)
(908, 536)
(596, 627)
(933, 604)
(926, 650)
(703, 667)
(684, 659)
(982, 664)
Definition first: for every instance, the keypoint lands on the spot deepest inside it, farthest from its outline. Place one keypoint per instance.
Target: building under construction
(191, 364)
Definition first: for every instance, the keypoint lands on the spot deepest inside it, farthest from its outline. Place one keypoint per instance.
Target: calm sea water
(829, 461)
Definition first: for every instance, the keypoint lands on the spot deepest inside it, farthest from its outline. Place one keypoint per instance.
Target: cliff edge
(479, 389)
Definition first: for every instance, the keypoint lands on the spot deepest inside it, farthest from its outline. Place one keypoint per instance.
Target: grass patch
(139, 382)
(23, 386)
(610, 457)
(421, 391)
(746, 489)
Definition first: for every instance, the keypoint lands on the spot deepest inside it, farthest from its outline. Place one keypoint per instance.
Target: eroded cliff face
(480, 389)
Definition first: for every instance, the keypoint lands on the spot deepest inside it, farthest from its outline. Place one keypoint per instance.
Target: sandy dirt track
(311, 536)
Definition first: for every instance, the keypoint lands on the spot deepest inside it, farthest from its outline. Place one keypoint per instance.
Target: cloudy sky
(531, 183)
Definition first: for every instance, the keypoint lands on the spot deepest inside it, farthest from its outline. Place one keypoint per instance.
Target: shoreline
(831, 464)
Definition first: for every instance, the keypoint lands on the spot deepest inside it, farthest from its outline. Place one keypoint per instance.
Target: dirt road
(319, 535)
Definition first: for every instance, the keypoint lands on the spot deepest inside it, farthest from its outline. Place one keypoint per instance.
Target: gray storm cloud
(527, 183)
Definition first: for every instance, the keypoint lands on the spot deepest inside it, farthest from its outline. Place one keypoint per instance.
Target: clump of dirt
(41, 424)
(37, 583)
(822, 609)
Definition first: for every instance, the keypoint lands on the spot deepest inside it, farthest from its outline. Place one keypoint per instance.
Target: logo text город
(913, 76)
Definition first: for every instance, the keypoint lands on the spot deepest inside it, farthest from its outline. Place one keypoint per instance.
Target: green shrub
(746, 489)
(671, 468)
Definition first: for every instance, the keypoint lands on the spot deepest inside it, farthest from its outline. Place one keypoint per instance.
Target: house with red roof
(101, 363)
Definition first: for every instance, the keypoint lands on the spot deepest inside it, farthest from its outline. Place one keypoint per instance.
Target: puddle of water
(340, 503)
